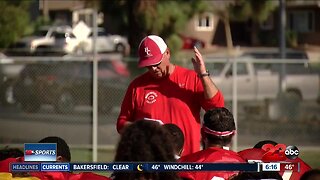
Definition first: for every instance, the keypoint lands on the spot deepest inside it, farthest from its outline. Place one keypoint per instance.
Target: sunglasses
(156, 65)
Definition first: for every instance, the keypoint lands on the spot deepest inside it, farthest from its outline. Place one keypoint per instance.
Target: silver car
(44, 37)
(106, 43)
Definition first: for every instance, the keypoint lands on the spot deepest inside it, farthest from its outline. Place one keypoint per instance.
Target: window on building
(204, 22)
(301, 21)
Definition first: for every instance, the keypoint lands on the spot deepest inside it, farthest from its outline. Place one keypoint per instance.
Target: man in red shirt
(217, 132)
(170, 93)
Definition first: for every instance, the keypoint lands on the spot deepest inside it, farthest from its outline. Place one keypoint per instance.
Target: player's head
(313, 174)
(218, 127)
(261, 143)
(63, 150)
(154, 55)
(10, 153)
(145, 141)
(177, 137)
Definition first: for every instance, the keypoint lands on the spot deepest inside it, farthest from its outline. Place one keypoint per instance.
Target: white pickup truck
(260, 81)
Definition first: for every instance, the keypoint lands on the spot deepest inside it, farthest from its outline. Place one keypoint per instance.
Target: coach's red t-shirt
(176, 99)
(211, 155)
(256, 154)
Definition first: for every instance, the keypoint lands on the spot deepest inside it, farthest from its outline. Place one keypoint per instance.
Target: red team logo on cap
(147, 50)
(29, 152)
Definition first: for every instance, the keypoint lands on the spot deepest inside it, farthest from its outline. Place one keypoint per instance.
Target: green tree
(137, 18)
(14, 21)
(255, 10)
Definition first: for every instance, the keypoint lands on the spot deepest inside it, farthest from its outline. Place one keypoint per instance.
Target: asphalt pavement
(20, 127)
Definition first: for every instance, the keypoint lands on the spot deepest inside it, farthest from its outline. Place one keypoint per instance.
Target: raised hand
(198, 63)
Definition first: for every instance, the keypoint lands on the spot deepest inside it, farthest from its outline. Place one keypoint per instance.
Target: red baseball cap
(151, 50)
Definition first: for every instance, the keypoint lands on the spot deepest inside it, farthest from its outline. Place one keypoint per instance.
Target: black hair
(176, 135)
(312, 174)
(7, 152)
(145, 141)
(261, 143)
(63, 149)
(219, 119)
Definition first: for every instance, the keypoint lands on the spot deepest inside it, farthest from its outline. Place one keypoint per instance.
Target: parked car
(68, 84)
(260, 81)
(6, 90)
(190, 42)
(9, 71)
(42, 38)
(9, 67)
(274, 54)
(65, 43)
(106, 43)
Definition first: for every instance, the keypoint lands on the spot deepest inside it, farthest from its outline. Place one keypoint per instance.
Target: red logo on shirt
(151, 97)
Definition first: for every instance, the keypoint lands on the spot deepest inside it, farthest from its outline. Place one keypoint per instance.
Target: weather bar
(73, 167)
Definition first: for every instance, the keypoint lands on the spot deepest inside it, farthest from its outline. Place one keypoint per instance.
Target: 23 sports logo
(40, 152)
(279, 152)
(29, 152)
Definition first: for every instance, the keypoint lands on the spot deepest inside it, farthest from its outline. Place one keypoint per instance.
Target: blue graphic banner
(148, 167)
(40, 152)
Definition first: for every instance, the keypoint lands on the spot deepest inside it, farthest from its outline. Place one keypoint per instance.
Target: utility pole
(282, 44)
(95, 89)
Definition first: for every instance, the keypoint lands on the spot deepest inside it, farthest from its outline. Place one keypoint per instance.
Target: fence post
(95, 91)
(235, 102)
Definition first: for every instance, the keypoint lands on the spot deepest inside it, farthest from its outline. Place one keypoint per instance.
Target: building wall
(312, 37)
(60, 11)
(317, 19)
(205, 34)
(61, 4)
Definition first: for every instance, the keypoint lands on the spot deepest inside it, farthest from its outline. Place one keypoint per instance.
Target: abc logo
(291, 152)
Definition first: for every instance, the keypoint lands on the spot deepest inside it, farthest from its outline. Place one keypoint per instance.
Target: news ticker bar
(73, 167)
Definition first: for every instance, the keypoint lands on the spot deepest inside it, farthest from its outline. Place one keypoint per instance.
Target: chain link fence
(45, 96)
(52, 96)
(267, 108)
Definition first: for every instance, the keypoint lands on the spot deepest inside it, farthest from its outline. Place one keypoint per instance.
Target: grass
(311, 157)
(84, 155)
